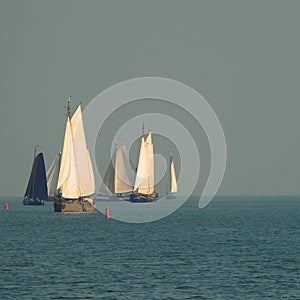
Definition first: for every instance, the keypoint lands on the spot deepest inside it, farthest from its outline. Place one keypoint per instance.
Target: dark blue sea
(235, 248)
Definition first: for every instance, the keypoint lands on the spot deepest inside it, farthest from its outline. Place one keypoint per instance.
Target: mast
(69, 107)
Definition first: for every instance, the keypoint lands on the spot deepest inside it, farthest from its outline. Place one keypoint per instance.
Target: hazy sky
(242, 56)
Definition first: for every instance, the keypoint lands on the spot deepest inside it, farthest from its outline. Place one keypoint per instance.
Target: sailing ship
(173, 181)
(52, 177)
(117, 182)
(76, 184)
(36, 192)
(143, 190)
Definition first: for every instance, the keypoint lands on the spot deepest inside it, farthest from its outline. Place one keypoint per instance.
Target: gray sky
(242, 56)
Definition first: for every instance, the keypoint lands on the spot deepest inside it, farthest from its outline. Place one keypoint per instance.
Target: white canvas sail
(52, 175)
(144, 182)
(107, 186)
(117, 179)
(83, 164)
(76, 176)
(173, 183)
(141, 180)
(67, 179)
(122, 180)
(150, 158)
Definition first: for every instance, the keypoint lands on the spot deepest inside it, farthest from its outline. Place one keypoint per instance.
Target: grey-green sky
(242, 56)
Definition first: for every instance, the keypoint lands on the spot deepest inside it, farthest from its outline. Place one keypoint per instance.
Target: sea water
(235, 248)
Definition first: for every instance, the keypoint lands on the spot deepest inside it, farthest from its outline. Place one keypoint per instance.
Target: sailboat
(143, 190)
(36, 192)
(173, 180)
(52, 177)
(76, 184)
(117, 182)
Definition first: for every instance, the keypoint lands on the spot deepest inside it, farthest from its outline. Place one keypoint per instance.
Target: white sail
(52, 175)
(67, 179)
(117, 179)
(107, 186)
(83, 166)
(150, 158)
(76, 176)
(92, 186)
(144, 182)
(122, 180)
(141, 180)
(173, 183)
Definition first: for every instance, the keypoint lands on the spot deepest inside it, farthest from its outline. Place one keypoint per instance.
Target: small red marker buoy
(6, 206)
(107, 215)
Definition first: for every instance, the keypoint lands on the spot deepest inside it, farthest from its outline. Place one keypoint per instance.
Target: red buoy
(6, 206)
(107, 215)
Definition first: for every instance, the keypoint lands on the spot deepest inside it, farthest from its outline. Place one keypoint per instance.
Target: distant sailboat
(173, 180)
(143, 190)
(117, 183)
(76, 185)
(36, 192)
(52, 177)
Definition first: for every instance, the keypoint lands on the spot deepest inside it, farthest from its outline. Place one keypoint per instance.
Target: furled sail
(37, 184)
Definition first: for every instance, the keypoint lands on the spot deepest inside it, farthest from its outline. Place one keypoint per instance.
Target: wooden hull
(83, 205)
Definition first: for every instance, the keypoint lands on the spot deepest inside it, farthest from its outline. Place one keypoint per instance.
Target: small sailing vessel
(36, 192)
(173, 180)
(76, 184)
(143, 190)
(117, 182)
(52, 177)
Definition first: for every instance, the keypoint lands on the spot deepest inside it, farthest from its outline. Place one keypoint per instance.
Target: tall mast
(144, 128)
(69, 107)
(35, 146)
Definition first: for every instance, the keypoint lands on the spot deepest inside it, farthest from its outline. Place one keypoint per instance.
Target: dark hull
(73, 206)
(36, 202)
(143, 198)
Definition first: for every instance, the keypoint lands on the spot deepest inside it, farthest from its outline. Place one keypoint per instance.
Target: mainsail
(144, 182)
(76, 176)
(37, 184)
(173, 181)
(116, 179)
(83, 164)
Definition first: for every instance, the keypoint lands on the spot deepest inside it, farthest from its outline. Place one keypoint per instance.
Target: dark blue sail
(36, 192)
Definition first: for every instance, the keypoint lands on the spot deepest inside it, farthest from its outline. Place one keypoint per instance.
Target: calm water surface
(235, 248)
